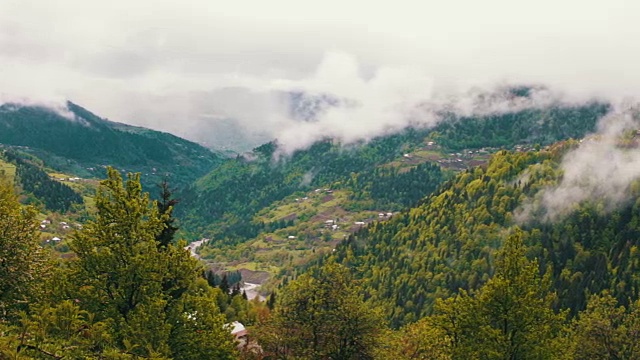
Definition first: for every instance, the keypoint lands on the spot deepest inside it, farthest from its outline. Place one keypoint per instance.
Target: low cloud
(600, 170)
(392, 99)
(215, 73)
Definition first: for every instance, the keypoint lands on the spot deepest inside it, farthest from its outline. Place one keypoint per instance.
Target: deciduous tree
(321, 315)
(22, 260)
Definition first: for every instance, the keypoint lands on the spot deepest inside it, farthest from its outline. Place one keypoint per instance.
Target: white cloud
(599, 170)
(185, 66)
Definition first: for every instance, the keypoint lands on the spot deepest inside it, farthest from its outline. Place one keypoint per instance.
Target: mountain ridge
(81, 142)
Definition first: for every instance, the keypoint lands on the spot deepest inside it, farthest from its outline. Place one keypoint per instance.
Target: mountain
(263, 211)
(309, 107)
(449, 241)
(77, 141)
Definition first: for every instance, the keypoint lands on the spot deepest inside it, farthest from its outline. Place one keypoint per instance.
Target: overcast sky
(181, 66)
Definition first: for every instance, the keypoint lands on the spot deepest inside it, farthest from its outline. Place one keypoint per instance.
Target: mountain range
(424, 226)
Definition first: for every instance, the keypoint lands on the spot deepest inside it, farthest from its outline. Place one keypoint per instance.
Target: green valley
(270, 213)
(413, 243)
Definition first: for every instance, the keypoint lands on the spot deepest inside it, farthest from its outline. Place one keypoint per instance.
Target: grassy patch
(7, 170)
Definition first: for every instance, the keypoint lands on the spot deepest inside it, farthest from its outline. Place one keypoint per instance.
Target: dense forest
(77, 141)
(54, 195)
(125, 294)
(448, 242)
(453, 273)
(223, 203)
(390, 188)
(529, 126)
(452, 278)
(458, 278)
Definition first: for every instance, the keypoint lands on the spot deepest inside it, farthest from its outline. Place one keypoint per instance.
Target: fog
(600, 170)
(211, 70)
(221, 73)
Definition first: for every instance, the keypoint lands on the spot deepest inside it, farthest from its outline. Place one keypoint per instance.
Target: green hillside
(81, 143)
(406, 247)
(449, 241)
(386, 174)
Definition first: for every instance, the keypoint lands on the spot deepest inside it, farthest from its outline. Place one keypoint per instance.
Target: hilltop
(74, 140)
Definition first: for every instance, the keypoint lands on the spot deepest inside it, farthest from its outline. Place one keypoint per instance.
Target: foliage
(445, 243)
(510, 317)
(22, 260)
(149, 295)
(391, 188)
(529, 126)
(80, 142)
(55, 196)
(606, 330)
(321, 315)
(223, 204)
(421, 340)
(166, 204)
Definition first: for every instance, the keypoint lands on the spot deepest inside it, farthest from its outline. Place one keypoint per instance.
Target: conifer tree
(511, 317)
(166, 205)
(150, 295)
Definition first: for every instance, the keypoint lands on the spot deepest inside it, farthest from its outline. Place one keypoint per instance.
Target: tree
(321, 315)
(608, 331)
(511, 316)
(422, 340)
(149, 294)
(22, 260)
(166, 205)
(56, 332)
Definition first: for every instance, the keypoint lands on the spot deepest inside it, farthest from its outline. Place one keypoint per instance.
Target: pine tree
(224, 284)
(152, 296)
(511, 317)
(166, 204)
(271, 301)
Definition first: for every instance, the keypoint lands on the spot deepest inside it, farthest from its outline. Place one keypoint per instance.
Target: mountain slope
(224, 202)
(80, 142)
(449, 241)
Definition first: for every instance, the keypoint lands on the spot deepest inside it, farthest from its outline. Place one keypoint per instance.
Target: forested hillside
(453, 277)
(449, 241)
(127, 293)
(222, 205)
(530, 126)
(460, 278)
(54, 195)
(76, 141)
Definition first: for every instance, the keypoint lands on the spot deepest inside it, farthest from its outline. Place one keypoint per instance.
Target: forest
(127, 293)
(458, 278)
(54, 195)
(454, 273)
(223, 203)
(82, 143)
(453, 278)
